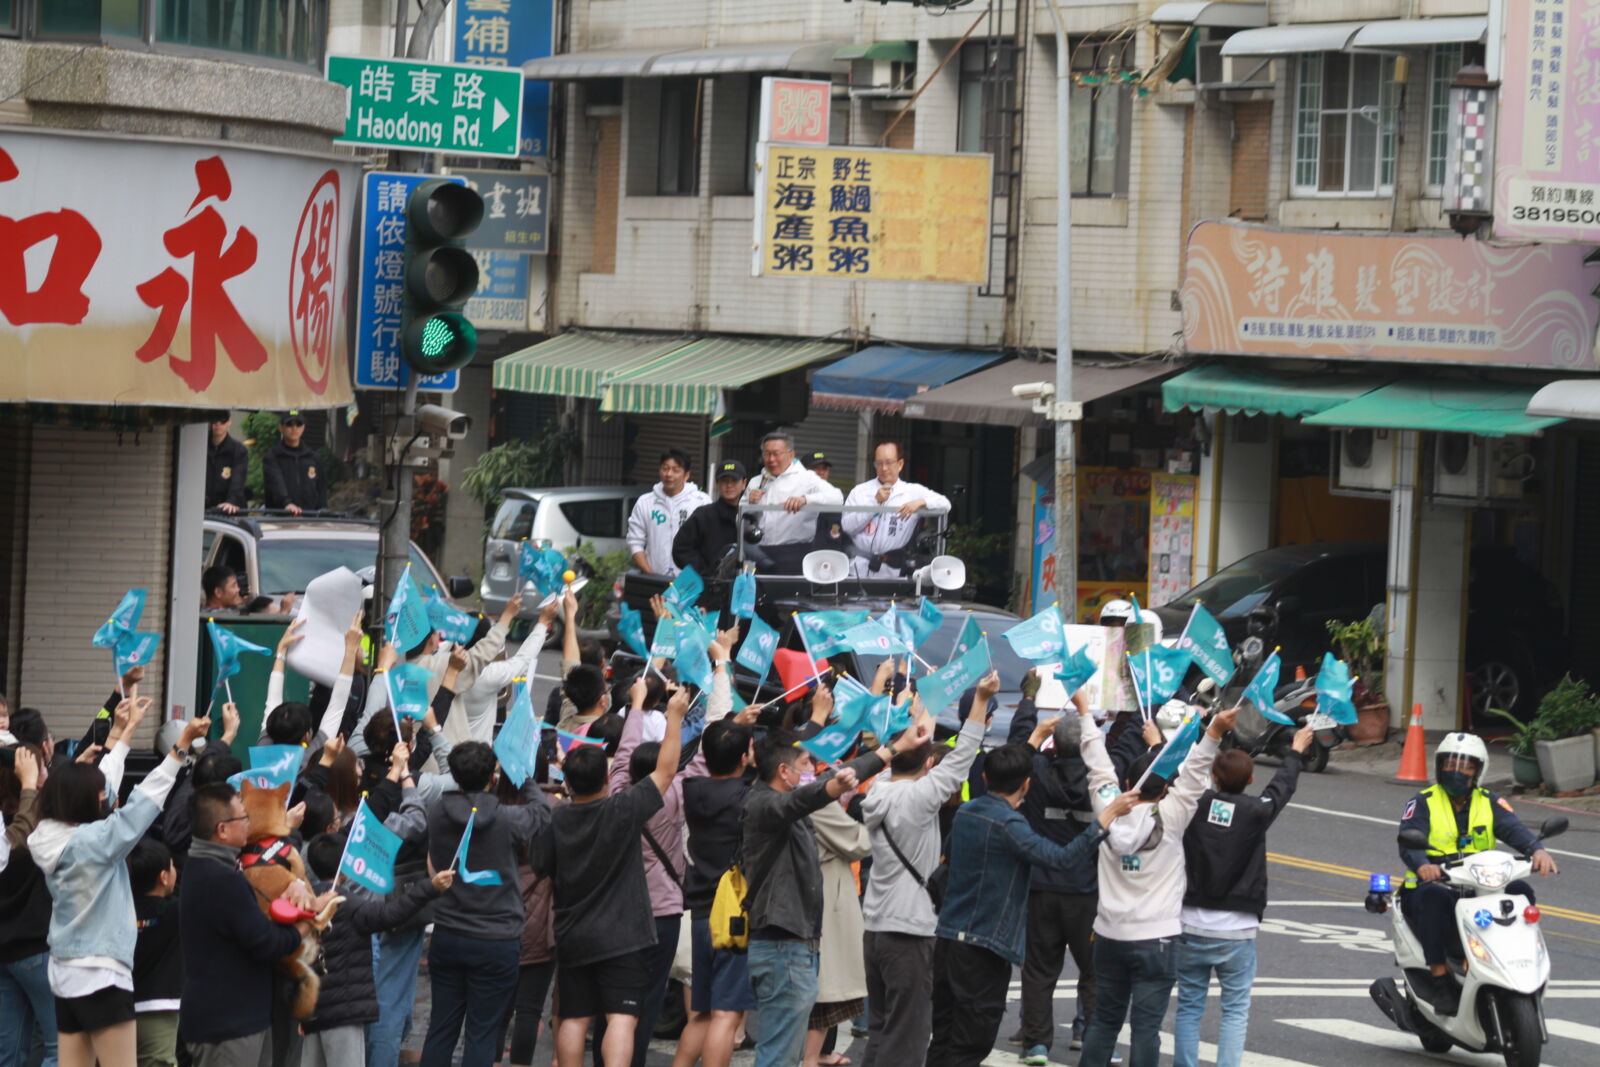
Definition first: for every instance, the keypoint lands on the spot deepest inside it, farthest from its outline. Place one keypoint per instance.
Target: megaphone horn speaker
(825, 567)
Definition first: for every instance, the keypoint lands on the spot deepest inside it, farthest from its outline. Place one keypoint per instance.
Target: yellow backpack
(730, 916)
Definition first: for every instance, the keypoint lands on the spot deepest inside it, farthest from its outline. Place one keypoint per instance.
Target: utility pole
(1064, 411)
(395, 504)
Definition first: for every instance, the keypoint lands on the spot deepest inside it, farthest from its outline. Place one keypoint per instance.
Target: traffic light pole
(1063, 411)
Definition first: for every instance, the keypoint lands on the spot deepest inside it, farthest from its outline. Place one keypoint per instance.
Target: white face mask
(807, 779)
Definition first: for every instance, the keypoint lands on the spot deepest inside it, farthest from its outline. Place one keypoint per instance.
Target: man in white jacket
(1142, 882)
(877, 535)
(659, 514)
(784, 480)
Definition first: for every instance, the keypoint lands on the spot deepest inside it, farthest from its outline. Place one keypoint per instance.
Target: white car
(565, 518)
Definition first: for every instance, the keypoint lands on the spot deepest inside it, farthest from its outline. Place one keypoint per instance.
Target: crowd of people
(893, 890)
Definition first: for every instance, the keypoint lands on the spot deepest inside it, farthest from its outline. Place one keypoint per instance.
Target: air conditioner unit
(1363, 461)
(1249, 71)
(1471, 469)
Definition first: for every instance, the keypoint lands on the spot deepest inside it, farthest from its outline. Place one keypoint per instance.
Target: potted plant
(1568, 715)
(1524, 755)
(1361, 645)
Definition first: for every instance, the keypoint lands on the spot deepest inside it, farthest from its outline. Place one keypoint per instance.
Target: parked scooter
(1503, 967)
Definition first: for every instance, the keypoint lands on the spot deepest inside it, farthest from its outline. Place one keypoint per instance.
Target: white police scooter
(1505, 968)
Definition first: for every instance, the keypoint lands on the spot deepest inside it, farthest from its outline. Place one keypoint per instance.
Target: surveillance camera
(442, 422)
(1033, 390)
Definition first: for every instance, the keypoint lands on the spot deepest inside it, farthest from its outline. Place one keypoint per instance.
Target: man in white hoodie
(1142, 882)
(659, 514)
(785, 480)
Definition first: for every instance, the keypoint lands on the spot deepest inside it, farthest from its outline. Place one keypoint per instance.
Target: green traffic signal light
(440, 276)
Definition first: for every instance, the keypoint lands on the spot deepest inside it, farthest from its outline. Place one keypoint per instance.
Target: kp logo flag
(1157, 672)
(685, 589)
(1208, 645)
(1259, 691)
(122, 620)
(1076, 671)
(406, 626)
(452, 625)
(369, 852)
(665, 643)
(690, 659)
(969, 638)
(541, 566)
(1039, 639)
(1171, 758)
(518, 740)
(135, 650)
(822, 629)
(835, 740)
(226, 648)
(947, 683)
(1333, 691)
(759, 646)
(872, 638)
(271, 766)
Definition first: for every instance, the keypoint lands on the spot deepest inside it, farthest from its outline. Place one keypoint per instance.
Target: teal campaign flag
(834, 741)
(226, 647)
(900, 717)
(122, 620)
(406, 625)
(924, 624)
(759, 646)
(941, 688)
(690, 658)
(541, 566)
(1333, 691)
(872, 638)
(836, 738)
(685, 589)
(630, 626)
(665, 643)
(518, 741)
(822, 629)
(1259, 691)
(271, 766)
(880, 717)
(1208, 644)
(970, 637)
(452, 624)
(134, 650)
(742, 601)
(850, 698)
(408, 687)
(1076, 671)
(1157, 672)
(469, 876)
(1039, 639)
(1173, 753)
(370, 851)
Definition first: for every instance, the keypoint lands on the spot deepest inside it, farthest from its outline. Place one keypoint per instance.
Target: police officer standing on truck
(227, 463)
(289, 471)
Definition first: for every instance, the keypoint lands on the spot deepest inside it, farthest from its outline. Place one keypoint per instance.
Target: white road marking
(1574, 1031)
(1394, 824)
(1315, 904)
(1208, 1054)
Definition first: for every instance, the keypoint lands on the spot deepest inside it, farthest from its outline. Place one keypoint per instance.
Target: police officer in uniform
(1457, 816)
(227, 462)
(290, 473)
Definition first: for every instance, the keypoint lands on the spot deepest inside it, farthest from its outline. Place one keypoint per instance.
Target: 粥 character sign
(794, 111)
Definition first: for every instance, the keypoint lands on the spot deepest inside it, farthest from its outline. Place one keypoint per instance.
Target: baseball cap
(730, 468)
(292, 415)
(817, 459)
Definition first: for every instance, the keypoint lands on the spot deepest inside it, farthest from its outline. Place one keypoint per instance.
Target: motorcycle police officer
(1457, 815)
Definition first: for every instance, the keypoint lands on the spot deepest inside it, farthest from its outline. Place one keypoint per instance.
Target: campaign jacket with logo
(1225, 847)
(294, 476)
(656, 519)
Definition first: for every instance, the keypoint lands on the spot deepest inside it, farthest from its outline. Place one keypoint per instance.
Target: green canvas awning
(889, 51)
(690, 380)
(577, 363)
(1257, 392)
(1489, 409)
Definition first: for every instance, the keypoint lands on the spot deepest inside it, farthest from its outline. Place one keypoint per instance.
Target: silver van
(565, 517)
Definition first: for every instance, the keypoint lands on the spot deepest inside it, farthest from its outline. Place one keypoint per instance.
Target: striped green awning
(690, 380)
(578, 363)
(1250, 391)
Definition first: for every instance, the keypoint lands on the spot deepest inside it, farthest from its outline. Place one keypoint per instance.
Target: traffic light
(440, 276)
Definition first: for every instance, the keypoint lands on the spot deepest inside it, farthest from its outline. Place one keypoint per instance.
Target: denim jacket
(992, 854)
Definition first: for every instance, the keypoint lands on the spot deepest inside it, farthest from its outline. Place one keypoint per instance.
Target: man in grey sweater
(785, 872)
(902, 818)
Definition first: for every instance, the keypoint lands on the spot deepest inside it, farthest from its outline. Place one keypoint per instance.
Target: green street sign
(456, 108)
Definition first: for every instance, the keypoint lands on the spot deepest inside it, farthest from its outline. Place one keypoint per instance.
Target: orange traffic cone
(1414, 757)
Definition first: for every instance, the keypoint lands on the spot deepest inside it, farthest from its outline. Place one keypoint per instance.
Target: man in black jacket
(289, 472)
(227, 463)
(703, 540)
(1061, 904)
(229, 947)
(1225, 856)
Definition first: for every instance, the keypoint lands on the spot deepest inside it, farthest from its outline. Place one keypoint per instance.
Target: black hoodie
(713, 808)
(489, 912)
(703, 540)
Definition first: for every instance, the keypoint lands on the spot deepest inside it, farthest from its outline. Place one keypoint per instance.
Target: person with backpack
(1225, 860)
(899, 911)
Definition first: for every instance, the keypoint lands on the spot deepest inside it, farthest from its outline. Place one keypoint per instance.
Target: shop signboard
(1547, 148)
(515, 210)
(795, 111)
(1172, 501)
(172, 273)
(1254, 290)
(858, 214)
(501, 302)
(508, 33)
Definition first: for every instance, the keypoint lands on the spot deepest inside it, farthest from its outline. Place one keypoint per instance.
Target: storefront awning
(603, 63)
(575, 364)
(986, 397)
(1488, 409)
(1415, 33)
(1239, 390)
(888, 51)
(690, 379)
(1570, 399)
(1290, 40)
(882, 377)
(800, 56)
(1211, 13)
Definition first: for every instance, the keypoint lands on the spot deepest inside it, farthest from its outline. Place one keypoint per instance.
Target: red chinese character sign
(795, 111)
(156, 273)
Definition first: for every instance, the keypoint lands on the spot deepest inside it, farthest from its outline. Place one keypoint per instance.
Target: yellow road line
(1351, 872)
